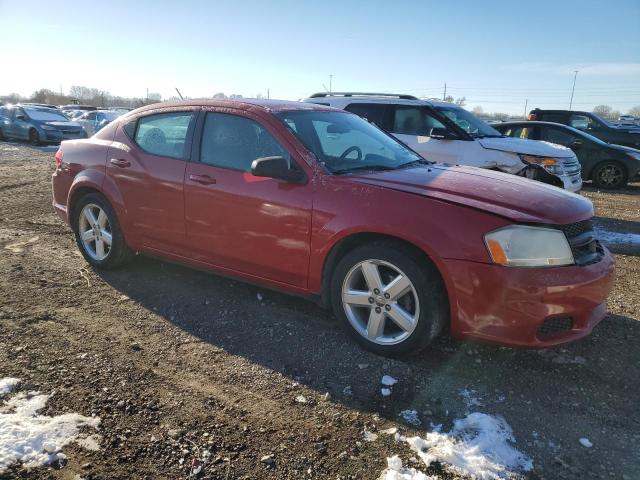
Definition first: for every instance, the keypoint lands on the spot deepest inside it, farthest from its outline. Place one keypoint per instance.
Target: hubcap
(95, 232)
(610, 175)
(380, 302)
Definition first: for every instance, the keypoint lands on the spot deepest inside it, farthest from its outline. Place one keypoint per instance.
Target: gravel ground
(175, 361)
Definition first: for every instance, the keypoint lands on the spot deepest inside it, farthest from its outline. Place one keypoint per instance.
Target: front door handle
(202, 179)
(118, 162)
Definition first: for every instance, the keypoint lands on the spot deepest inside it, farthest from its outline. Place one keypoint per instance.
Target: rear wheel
(98, 233)
(609, 175)
(34, 137)
(390, 299)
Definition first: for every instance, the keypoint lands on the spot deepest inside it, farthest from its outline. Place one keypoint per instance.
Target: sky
(498, 54)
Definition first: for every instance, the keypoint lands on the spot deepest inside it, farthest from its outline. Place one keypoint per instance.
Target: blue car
(37, 125)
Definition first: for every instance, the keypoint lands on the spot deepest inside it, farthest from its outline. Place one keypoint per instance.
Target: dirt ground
(175, 361)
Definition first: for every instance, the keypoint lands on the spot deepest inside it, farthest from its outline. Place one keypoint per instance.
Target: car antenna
(181, 97)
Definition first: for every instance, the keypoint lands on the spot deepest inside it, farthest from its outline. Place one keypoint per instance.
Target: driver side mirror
(277, 167)
(442, 134)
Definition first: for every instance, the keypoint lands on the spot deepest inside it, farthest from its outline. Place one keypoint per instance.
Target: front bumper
(508, 305)
(572, 183)
(56, 136)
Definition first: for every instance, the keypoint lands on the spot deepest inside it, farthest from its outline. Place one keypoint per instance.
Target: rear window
(164, 134)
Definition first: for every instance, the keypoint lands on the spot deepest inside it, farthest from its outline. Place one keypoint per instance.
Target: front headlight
(524, 246)
(48, 127)
(550, 164)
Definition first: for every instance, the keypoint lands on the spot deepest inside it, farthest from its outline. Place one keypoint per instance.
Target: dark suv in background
(592, 124)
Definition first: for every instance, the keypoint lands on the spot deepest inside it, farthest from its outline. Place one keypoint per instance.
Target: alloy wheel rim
(610, 175)
(380, 302)
(95, 232)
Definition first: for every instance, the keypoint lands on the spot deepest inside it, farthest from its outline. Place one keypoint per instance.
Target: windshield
(45, 115)
(468, 122)
(344, 142)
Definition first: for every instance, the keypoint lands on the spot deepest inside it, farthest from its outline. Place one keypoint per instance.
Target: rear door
(147, 162)
(257, 226)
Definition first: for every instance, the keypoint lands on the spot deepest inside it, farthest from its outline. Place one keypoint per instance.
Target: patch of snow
(617, 238)
(347, 391)
(385, 392)
(585, 442)
(390, 431)
(469, 398)
(301, 399)
(259, 297)
(370, 436)
(395, 471)
(388, 381)
(411, 417)
(32, 439)
(7, 385)
(478, 445)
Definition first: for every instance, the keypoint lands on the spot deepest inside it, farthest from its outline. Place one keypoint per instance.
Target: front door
(257, 226)
(148, 165)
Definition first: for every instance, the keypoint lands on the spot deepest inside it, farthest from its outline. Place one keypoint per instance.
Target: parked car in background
(120, 109)
(43, 105)
(628, 120)
(38, 125)
(93, 121)
(609, 166)
(318, 202)
(447, 133)
(592, 124)
(68, 109)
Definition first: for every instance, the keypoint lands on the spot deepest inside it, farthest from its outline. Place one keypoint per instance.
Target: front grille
(553, 327)
(582, 239)
(572, 167)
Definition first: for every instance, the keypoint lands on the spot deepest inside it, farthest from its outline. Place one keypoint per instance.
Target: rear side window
(234, 142)
(371, 112)
(551, 117)
(164, 134)
(409, 120)
(518, 132)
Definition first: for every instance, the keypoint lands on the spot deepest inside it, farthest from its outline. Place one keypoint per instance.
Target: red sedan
(318, 202)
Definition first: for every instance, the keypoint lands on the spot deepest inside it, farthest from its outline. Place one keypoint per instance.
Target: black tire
(119, 253)
(610, 175)
(34, 137)
(2, 139)
(434, 306)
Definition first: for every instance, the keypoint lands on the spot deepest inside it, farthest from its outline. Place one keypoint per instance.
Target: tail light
(59, 158)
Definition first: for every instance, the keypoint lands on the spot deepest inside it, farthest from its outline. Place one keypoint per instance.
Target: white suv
(446, 133)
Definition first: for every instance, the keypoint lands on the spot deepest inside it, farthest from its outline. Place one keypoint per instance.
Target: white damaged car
(446, 133)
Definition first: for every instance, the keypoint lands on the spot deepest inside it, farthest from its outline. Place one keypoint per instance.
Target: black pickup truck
(591, 124)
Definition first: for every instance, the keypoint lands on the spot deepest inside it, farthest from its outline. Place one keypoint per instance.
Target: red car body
(285, 235)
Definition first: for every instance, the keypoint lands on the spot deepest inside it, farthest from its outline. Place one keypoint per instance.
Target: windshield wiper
(373, 168)
(487, 136)
(419, 161)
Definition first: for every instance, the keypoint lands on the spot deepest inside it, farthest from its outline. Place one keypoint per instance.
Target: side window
(552, 117)
(582, 122)
(91, 116)
(130, 128)
(371, 112)
(408, 120)
(555, 135)
(164, 134)
(234, 142)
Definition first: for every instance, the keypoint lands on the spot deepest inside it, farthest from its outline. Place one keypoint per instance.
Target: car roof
(240, 103)
(533, 123)
(383, 98)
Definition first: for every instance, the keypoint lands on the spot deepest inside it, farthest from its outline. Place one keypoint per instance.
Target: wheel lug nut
(371, 300)
(376, 291)
(386, 295)
(387, 307)
(378, 309)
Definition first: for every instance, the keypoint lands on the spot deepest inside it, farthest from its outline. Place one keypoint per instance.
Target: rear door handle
(202, 179)
(118, 162)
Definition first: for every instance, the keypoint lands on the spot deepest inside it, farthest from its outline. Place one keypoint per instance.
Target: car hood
(509, 196)
(527, 147)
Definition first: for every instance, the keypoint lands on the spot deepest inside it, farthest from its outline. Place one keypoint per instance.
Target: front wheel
(390, 299)
(609, 175)
(34, 137)
(98, 233)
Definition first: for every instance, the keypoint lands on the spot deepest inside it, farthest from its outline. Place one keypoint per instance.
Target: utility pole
(526, 100)
(268, 94)
(575, 74)
(330, 82)
(444, 95)
(147, 95)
